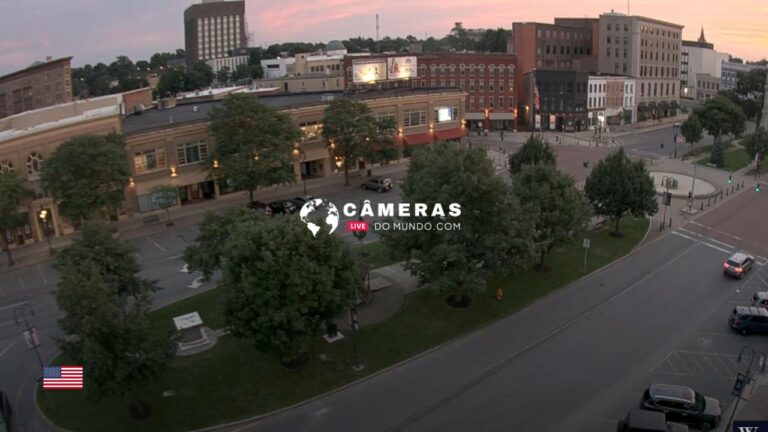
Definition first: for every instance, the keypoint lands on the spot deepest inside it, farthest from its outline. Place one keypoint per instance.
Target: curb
(42, 415)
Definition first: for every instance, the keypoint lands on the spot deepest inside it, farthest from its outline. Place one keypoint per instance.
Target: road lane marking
(7, 348)
(39, 270)
(13, 305)
(703, 242)
(21, 282)
(156, 245)
(701, 225)
(710, 238)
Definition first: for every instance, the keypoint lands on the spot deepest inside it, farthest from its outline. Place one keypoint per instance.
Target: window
(609, 26)
(626, 27)
(311, 130)
(6, 167)
(193, 152)
(490, 101)
(446, 114)
(148, 160)
(151, 201)
(608, 39)
(501, 102)
(608, 52)
(416, 117)
(481, 104)
(34, 164)
(501, 86)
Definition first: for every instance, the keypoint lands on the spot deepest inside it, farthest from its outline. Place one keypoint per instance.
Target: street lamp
(46, 231)
(33, 341)
(666, 199)
(300, 156)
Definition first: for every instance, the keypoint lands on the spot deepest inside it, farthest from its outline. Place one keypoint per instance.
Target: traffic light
(757, 187)
(730, 178)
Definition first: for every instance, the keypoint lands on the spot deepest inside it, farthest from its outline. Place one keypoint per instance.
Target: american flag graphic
(536, 96)
(63, 378)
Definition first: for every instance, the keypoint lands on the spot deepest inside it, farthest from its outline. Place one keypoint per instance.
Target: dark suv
(738, 264)
(749, 319)
(683, 404)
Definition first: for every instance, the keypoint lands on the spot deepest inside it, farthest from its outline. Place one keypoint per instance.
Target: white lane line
(7, 348)
(157, 245)
(13, 305)
(710, 238)
(40, 270)
(701, 225)
(704, 243)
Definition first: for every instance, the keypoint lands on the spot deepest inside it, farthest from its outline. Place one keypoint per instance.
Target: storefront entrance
(197, 192)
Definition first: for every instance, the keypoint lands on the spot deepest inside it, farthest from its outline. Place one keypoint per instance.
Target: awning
(418, 138)
(449, 134)
(501, 116)
(474, 116)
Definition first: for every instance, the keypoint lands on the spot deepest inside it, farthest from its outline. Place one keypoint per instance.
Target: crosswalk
(715, 244)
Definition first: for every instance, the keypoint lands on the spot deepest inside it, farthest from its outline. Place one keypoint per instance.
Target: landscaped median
(233, 381)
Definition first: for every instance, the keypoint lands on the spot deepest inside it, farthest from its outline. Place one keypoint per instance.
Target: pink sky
(139, 28)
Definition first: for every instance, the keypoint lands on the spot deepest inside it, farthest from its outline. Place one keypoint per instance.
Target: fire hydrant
(499, 294)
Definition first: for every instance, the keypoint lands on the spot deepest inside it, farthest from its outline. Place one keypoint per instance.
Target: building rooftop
(335, 45)
(34, 66)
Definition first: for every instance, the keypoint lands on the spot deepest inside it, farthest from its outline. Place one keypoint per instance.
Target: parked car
(749, 319)
(683, 405)
(738, 264)
(300, 201)
(760, 299)
(677, 124)
(648, 421)
(261, 206)
(283, 207)
(380, 184)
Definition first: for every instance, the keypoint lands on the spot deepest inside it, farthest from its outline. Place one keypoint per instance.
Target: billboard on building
(402, 67)
(368, 71)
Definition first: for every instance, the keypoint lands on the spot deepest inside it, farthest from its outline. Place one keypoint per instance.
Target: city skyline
(140, 28)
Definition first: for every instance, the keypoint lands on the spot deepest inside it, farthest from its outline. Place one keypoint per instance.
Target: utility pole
(33, 340)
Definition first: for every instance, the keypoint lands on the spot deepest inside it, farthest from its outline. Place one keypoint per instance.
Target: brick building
(487, 78)
(570, 44)
(562, 100)
(40, 85)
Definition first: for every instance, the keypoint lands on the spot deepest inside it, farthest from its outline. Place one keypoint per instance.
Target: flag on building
(63, 378)
(536, 96)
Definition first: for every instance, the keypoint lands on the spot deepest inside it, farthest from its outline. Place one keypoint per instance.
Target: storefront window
(149, 160)
(193, 152)
(311, 130)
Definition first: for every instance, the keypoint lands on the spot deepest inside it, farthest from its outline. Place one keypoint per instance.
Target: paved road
(648, 143)
(161, 258)
(576, 361)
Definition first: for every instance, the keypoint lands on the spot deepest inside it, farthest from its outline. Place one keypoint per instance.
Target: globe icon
(319, 210)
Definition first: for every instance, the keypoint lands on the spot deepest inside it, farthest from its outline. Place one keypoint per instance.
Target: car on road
(300, 201)
(749, 319)
(283, 207)
(677, 124)
(683, 404)
(738, 264)
(760, 299)
(261, 206)
(648, 421)
(380, 184)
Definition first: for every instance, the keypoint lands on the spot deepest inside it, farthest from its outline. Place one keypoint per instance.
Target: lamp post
(43, 215)
(298, 153)
(739, 387)
(33, 341)
(665, 182)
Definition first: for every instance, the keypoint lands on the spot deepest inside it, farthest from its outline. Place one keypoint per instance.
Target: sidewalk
(135, 226)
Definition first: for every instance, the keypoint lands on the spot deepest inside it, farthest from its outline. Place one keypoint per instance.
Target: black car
(683, 405)
(749, 319)
(300, 201)
(260, 206)
(283, 207)
(648, 421)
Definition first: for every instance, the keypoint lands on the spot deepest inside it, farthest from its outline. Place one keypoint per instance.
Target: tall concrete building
(40, 85)
(700, 69)
(648, 50)
(731, 71)
(215, 32)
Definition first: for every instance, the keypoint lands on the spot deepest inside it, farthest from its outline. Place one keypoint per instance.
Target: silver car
(738, 264)
(380, 184)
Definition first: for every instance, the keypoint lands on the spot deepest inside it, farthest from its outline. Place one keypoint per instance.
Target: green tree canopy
(254, 143)
(282, 286)
(86, 175)
(618, 186)
(205, 254)
(561, 211)
(535, 151)
(494, 234)
(349, 128)
(106, 326)
(13, 192)
(692, 130)
(756, 142)
(720, 116)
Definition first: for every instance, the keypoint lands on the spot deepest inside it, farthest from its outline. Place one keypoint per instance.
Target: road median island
(234, 381)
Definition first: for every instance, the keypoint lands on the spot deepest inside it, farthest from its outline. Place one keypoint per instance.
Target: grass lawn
(234, 381)
(735, 159)
(704, 149)
(376, 254)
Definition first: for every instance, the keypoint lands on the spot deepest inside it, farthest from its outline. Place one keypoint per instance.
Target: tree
(348, 129)
(222, 76)
(205, 254)
(243, 72)
(383, 146)
(756, 143)
(86, 175)
(458, 39)
(143, 66)
(199, 77)
(254, 143)
(165, 197)
(535, 151)
(720, 116)
(618, 186)
(171, 83)
(282, 286)
(750, 87)
(13, 192)
(494, 235)
(106, 326)
(692, 131)
(494, 41)
(560, 210)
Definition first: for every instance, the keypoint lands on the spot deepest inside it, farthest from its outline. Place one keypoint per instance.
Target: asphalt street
(161, 258)
(648, 143)
(575, 361)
